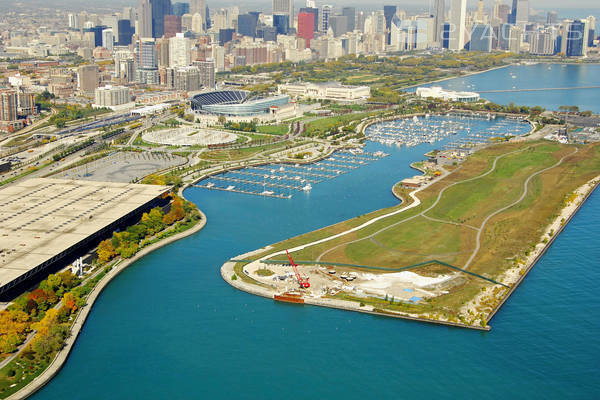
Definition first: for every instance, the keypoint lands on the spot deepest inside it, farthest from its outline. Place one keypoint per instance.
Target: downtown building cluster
(176, 48)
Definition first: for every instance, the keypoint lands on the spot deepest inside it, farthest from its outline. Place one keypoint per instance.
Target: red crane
(303, 282)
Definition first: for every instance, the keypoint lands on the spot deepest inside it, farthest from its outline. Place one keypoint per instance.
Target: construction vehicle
(303, 282)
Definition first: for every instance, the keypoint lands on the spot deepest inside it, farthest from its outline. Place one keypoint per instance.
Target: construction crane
(303, 282)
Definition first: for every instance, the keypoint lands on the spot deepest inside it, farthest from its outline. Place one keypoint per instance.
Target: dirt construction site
(406, 286)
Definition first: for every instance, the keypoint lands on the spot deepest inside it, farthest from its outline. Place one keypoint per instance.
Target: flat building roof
(42, 219)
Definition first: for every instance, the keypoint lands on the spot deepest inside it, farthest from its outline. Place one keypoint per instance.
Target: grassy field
(448, 231)
(278, 130)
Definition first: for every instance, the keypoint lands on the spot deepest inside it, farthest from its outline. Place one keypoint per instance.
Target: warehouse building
(45, 224)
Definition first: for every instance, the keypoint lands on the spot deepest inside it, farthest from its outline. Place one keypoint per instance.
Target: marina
(283, 180)
(464, 131)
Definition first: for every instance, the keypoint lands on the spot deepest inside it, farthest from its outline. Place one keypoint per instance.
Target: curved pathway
(422, 214)
(492, 215)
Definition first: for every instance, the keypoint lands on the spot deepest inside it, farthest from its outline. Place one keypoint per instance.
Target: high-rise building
(439, 17)
(350, 14)
(125, 32)
(147, 57)
(160, 8)
(389, 12)
(97, 31)
(326, 11)
(520, 12)
(247, 25)
(162, 52)
(8, 105)
(338, 24)
(198, 23)
(112, 96)
(144, 27)
(225, 36)
(108, 39)
(74, 21)
(481, 38)
(179, 51)
(542, 43)
(306, 27)
(458, 15)
(591, 30)
(87, 78)
(552, 18)
(576, 45)
(207, 73)
(200, 7)
(480, 13)
(180, 9)
(281, 22)
(284, 7)
(314, 12)
(172, 25)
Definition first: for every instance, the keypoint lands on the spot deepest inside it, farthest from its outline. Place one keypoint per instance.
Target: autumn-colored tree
(40, 297)
(177, 212)
(106, 251)
(69, 302)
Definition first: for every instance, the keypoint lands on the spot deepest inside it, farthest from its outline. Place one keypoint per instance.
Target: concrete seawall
(62, 356)
(227, 273)
(542, 253)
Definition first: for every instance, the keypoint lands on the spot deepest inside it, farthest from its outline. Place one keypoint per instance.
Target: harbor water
(170, 327)
(539, 76)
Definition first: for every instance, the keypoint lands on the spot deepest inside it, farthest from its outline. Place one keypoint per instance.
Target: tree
(106, 251)
(69, 302)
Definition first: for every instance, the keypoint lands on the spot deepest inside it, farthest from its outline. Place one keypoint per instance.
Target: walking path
(422, 214)
(63, 354)
(525, 192)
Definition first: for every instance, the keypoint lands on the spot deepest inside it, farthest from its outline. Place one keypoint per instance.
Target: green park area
(506, 195)
(385, 75)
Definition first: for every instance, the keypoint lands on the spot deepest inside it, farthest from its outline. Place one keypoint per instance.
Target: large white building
(327, 91)
(437, 92)
(458, 16)
(114, 97)
(179, 51)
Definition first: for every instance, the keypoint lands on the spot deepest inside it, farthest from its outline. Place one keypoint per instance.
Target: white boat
(307, 188)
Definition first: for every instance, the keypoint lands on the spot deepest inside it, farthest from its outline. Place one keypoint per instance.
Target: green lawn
(404, 240)
(278, 130)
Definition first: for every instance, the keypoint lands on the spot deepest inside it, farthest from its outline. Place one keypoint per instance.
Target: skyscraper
(520, 12)
(389, 12)
(458, 14)
(180, 9)
(552, 17)
(199, 7)
(326, 11)
(481, 38)
(172, 25)
(281, 22)
(575, 39)
(108, 39)
(284, 7)
(125, 32)
(315, 13)
(179, 51)
(160, 8)
(247, 25)
(144, 19)
(306, 27)
(8, 105)
(439, 18)
(350, 14)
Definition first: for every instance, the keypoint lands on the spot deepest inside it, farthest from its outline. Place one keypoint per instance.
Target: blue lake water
(536, 77)
(170, 327)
